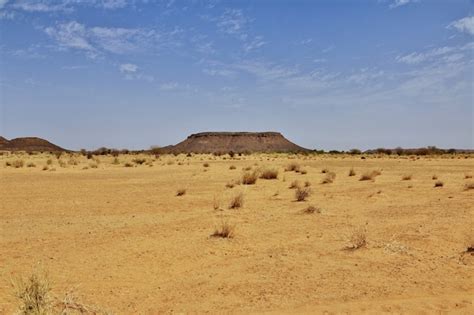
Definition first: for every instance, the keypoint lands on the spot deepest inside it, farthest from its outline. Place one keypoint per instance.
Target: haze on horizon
(326, 74)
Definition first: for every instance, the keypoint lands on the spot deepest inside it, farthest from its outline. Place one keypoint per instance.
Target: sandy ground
(122, 238)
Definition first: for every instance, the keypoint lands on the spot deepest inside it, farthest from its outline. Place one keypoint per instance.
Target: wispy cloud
(96, 41)
(2, 3)
(128, 68)
(169, 86)
(62, 5)
(464, 25)
(448, 52)
(399, 3)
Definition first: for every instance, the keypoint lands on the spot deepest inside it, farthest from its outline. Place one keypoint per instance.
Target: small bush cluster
(249, 178)
(237, 201)
(301, 193)
(370, 175)
(224, 231)
(181, 192)
(330, 177)
(269, 174)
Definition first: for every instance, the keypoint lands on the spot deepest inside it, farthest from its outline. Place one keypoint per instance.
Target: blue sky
(337, 74)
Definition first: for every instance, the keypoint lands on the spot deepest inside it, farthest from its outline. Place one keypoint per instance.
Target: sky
(327, 74)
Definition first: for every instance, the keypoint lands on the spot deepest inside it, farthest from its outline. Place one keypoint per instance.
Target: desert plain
(133, 234)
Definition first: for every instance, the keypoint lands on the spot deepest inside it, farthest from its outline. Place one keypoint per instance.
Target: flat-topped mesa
(238, 142)
(235, 134)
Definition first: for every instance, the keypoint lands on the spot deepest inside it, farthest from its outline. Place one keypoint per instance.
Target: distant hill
(238, 142)
(28, 144)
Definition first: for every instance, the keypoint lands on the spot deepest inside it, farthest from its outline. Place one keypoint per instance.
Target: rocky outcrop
(238, 142)
(28, 144)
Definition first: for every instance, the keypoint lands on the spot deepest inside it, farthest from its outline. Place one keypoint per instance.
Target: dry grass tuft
(293, 167)
(434, 177)
(370, 175)
(249, 178)
(358, 239)
(237, 201)
(307, 184)
(330, 177)
(294, 184)
(311, 210)
(181, 192)
(406, 177)
(467, 176)
(34, 294)
(438, 184)
(232, 167)
(139, 161)
(31, 164)
(269, 174)
(15, 164)
(128, 164)
(352, 172)
(206, 164)
(225, 230)
(325, 170)
(469, 186)
(301, 193)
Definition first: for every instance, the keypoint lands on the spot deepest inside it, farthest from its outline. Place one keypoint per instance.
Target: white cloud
(464, 25)
(40, 6)
(399, 3)
(169, 86)
(254, 44)
(233, 22)
(128, 68)
(96, 41)
(419, 57)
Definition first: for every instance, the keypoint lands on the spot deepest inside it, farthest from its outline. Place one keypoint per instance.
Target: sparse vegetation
(237, 201)
(434, 177)
(406, 177)
(294, 184)
(439, 184)
(307, 184)
(232, 167)
(330, 177)
(293, 167)
(357, 239)
(301, 193)
(34, 294)
(352, 172)
(139, 161)
(311, 210)
(128, 164)
(15, 164)
(225, 230)
(181, 192)
(269, 174)
(469, 186)
(31, 164)
(206, 164)
(370, 175)
(325, 170)
(249, 178)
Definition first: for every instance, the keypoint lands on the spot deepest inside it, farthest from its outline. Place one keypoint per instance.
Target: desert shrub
(407, 177)
(330, 177)
(269, 174)
(325, 170)
(72, 161)
(61, 163)
(293, 167)
(311, 209)
(307, 184)
(357, 239)
(434, 177)
(216, 203)
(128, 164)
(34, 294)
(355, 151)
(225, 230)
(247, 168)
(369, 175)
(352, 172)
(181, 192)
(93, 165)
(301, 193)
(303, 172)
(45, 168)
(469, 186)
(467, 176)
(18, 163)
(230, 184)
(49, 161)
(439, 184)
(31, 164)
(249, 178)
(237, 201)
(294, 184)
(90, 155)
(116, 161)
(232, 167)
(139, 161)
(206, 164)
